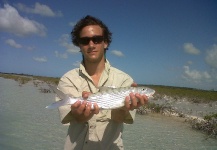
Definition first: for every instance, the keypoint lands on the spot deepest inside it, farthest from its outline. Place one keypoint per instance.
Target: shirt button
(92, 127)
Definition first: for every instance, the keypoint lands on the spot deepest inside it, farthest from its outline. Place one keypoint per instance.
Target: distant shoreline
(195, 95)
(26, 77)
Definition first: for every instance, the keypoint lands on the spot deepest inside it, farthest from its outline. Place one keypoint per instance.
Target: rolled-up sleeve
(65, 111)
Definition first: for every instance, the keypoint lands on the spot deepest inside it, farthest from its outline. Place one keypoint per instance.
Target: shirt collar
(83, 70)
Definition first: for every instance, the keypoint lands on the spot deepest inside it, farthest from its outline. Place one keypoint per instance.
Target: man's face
(92, 50)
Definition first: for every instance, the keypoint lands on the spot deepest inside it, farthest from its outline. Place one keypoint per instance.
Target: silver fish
(106, 98)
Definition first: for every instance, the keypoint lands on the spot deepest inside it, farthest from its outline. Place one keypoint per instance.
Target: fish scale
(107, 98)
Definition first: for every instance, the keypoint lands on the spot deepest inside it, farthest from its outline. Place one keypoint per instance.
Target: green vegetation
(210, 117)
(195, 95)
(208, 126)
(154, 107)
(18, 78)
(51, 80)
(22, 79)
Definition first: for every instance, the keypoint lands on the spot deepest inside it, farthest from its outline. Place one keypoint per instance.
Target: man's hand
(82, 111)
(133, 101)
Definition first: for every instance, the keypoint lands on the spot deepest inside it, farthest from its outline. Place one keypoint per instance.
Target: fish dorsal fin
(106, 88)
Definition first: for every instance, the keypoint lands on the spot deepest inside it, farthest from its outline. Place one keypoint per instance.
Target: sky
(169, 42)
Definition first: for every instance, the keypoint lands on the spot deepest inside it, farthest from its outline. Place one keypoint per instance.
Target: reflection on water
(27, 125)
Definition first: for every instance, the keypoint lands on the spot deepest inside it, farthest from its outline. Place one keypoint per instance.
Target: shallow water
(27, 125)
(160, 132)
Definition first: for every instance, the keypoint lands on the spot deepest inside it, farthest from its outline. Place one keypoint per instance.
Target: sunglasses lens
(94, 39)
(84, 40)
(97, 39)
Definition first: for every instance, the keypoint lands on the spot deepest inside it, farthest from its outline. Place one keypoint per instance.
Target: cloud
(76, 64)
(72, 24)
(190, 49)
(12, 22)
(211, 57)
(30, 48)
(195, 75)
(40, 59)
(203, 77)
(117, 53)
(70, 48)
(39, 9)
(12, 43)
(189, 62)
(63, 56)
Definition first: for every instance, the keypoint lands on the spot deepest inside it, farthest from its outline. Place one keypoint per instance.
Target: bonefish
(106, 98)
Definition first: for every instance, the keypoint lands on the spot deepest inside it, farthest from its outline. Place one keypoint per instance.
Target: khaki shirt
(100, 132)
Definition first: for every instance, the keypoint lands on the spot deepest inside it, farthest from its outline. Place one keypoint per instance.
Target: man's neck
(95, 69)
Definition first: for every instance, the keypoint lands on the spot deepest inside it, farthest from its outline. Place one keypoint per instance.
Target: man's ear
(105, 45)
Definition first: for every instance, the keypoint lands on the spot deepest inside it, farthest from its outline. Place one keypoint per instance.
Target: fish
(106, 98)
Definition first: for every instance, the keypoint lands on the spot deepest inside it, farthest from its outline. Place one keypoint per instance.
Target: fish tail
(59, 103)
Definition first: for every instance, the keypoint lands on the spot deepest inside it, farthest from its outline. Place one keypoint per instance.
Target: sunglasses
(95, 39)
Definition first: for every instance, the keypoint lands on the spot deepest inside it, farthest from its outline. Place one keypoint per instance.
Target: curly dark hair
(86, 21)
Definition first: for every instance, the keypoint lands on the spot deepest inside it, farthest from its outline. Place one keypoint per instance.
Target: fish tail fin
(59, 103)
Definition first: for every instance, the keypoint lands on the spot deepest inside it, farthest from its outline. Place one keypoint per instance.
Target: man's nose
(91, 44)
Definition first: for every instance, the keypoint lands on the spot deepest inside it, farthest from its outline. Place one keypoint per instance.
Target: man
(95, 129)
